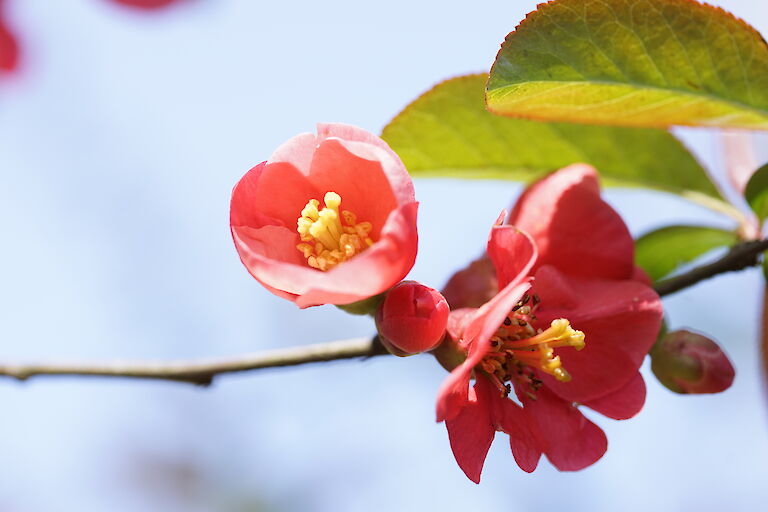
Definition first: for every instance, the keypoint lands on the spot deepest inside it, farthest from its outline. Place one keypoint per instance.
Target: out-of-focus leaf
(633, 63)
(756, 192)
(662, 251)
(448, 132)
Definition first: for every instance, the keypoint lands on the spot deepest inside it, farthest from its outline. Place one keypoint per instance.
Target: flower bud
(687, 362)
(412, 318)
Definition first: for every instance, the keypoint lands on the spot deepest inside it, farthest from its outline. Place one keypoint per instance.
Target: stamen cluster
(518, 347)
(329, 238)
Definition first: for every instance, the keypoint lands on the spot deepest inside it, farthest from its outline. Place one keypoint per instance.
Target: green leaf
(448, 132)
(633, 63)
(756, 192)
(662, 251)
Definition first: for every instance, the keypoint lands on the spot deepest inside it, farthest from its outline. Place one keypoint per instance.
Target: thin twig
(739, 257)
(202, 371)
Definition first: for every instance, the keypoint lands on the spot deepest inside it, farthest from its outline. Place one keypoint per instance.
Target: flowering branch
(203, 371)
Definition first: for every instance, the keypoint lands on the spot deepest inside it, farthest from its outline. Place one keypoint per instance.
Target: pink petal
(359, 178)
(623, 403)
(512, 252)
(620, 320)
(297, 152)
(472, 431)
(271, 193)
(574, 229)
(573, 442)
(398, 176)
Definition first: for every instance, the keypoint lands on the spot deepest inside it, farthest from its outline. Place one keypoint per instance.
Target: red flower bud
(687, 362)
(412, 318)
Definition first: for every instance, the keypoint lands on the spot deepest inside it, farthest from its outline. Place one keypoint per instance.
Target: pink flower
(328, 219)
(567, 264)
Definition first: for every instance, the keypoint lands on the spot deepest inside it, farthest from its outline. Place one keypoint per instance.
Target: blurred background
(121, 136)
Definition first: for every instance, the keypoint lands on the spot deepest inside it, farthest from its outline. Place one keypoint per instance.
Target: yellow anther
(332, 200)
(330, 237)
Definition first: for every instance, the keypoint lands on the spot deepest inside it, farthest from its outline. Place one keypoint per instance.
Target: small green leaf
(662, 251)
(756, 192)
(633, 63)
(448, 132)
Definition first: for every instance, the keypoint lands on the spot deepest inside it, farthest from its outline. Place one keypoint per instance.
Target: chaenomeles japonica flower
(569, 328)
(327, 219)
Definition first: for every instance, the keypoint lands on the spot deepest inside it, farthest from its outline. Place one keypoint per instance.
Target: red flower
(524, 340)
(360, 243)
(9, 49)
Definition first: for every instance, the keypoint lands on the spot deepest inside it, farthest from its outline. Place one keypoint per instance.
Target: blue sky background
(120, 141)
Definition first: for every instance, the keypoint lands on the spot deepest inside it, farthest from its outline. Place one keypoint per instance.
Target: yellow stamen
(330, 237)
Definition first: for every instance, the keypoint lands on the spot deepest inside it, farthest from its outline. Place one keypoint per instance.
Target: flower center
(517, 347)
(327, 237)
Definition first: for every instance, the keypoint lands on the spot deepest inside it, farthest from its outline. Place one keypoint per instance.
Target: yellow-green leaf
(448, 132)
(633, 63)
(664, 250)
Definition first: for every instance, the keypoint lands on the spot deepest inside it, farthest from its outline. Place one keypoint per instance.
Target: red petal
(471, 432)
(574, 229)
(523, 439)
(513, 254)
(620, 320)
(573, 442)
(624, 403)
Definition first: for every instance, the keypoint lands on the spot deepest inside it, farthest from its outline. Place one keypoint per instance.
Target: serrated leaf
(662, 251)
(448, 132)
(756, 192)
(633, 63)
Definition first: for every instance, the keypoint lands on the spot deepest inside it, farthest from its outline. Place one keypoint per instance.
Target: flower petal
(574, 229)
(623, 403)
(620, 320)
(398, 176)
(271, 193)
(512, 252)
(358, 177)
(523, 439)
(573, 442)
(472, 431)
(472, 286)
